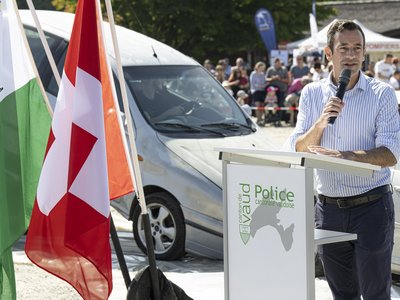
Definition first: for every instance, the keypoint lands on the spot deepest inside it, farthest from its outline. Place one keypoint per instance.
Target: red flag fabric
(69, 231)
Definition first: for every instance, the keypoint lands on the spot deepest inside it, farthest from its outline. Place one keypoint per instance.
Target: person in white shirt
(367, 129)
(384, 68)
(395, 80)
(319, 72)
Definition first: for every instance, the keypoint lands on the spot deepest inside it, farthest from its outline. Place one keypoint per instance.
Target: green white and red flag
(24, 126)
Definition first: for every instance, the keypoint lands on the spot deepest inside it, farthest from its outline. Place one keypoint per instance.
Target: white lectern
(269, 235)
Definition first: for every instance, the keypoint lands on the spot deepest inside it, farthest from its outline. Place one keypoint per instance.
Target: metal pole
(119, 253)
(138, 179)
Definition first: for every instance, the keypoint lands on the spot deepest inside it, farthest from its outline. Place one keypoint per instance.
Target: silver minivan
(180, 114)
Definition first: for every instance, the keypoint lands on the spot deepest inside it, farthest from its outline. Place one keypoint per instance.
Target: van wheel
(167, 226)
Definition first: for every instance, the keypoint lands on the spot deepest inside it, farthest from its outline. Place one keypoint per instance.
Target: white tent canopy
(375, 42)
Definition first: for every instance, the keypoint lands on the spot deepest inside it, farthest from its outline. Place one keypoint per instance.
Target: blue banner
(266, 28)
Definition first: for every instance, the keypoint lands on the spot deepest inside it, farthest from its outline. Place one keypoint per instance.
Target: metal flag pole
(134, 158)
(119, 253)
(38, 80)
(44, 42)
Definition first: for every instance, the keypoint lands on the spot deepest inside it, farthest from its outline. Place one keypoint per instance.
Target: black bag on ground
(141, 288)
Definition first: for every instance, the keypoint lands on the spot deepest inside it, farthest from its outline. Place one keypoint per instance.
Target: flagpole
(134, 158)
(138, 179)
(29, 51)
(44, 42)
(114, 97)
(113, 231)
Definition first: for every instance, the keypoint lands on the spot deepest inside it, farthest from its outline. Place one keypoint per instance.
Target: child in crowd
(242, 97)
(271, 101)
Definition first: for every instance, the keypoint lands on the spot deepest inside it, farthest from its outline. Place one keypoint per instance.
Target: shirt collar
(361, 83)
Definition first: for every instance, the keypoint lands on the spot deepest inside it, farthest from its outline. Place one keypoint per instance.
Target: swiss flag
(85, 166)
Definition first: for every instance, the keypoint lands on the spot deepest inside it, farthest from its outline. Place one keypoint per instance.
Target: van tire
(167, 230)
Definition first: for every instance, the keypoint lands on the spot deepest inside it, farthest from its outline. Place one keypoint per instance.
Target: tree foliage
(205, 28)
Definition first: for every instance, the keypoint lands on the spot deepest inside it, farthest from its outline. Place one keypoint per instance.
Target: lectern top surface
(297, 158)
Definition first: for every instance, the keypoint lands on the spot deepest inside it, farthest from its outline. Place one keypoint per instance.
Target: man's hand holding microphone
(335, 104)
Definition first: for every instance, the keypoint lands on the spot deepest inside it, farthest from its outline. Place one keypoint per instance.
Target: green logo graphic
(244, 233)
(269, 201)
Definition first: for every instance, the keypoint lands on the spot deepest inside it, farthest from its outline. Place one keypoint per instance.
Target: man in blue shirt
(367, 129)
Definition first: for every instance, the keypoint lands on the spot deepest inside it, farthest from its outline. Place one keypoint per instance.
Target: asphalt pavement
(200, 278)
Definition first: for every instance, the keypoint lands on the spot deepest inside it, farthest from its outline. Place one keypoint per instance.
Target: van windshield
(176, 99)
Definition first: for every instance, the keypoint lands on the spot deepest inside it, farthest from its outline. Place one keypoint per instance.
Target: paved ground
(200, 278)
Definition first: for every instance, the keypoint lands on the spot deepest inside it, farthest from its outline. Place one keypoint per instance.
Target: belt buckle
(341, 203)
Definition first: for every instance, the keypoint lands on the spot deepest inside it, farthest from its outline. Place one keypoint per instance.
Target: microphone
(344, 79)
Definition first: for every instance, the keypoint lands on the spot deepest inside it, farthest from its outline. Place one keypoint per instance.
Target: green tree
(207, 27)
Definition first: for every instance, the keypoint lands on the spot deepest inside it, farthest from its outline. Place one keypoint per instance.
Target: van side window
(53, 86)
(57, 47)
(118, 92)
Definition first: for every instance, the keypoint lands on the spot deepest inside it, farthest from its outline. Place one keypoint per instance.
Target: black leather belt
(346, 202)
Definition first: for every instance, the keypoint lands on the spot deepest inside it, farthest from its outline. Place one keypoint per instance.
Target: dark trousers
(281, 103)
(360, 267)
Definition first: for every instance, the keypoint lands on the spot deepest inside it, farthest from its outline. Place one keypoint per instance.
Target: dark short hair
(340, 26)
(317, 65)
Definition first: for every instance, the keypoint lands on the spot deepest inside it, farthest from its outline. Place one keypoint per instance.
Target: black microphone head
(344, 79)
(344, 76)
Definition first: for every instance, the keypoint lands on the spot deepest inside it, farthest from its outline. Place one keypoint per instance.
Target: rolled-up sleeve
(388, 123)
(304, 121)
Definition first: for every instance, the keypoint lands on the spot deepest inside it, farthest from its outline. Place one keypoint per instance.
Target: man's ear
(328, 53)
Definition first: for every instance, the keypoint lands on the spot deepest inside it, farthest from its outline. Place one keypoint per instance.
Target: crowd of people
(274, 91)
(268, 89)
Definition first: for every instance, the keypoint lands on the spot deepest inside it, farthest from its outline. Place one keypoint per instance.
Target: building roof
(378, 15)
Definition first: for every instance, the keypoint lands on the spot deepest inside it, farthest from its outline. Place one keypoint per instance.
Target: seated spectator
(239, 62)
(242, 97)
(384, 68)
(244, 82)
(208, 66)
(220, 73)
(395, 80)
(298, 70)
(395, 62)
(293, 97)
(238, 79)
(298, 84)
(227, 67)
(319, 72)
(234, 80)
